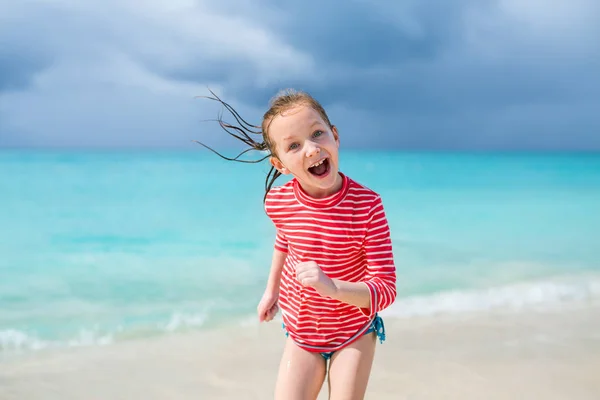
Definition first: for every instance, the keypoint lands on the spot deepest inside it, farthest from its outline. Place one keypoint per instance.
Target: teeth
(318, 163)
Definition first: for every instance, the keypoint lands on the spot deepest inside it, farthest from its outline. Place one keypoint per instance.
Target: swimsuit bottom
(376, 326)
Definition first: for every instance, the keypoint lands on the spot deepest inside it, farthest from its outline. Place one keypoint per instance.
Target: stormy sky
(418, 74)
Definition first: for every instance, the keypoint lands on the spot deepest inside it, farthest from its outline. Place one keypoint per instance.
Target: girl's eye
(293, 146)
(317, 133)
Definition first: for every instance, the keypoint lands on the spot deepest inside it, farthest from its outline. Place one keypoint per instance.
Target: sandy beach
(533, 355)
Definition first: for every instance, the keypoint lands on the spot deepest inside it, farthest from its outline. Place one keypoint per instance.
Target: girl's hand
(267, 307)
(309, 274)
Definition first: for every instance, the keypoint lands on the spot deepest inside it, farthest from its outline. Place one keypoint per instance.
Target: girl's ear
(336, 135)
(278, 165)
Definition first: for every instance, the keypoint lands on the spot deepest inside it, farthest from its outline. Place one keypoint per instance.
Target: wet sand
(533, 355)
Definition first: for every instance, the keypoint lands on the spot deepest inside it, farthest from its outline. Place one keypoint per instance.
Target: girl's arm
(377, 290)
(355, 293)
(279, 256)
(267, 307)
(275, 273)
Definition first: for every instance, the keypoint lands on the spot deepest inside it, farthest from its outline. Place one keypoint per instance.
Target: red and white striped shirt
(347, 235)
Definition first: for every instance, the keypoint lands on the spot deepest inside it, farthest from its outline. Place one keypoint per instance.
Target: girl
(332, 268)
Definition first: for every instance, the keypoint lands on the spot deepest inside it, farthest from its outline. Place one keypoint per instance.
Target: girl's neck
(318, 193)
(326, 199)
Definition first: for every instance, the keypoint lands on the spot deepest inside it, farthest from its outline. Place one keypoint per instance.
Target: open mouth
(320, 168)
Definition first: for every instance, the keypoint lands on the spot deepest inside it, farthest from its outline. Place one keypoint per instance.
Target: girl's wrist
(334, 290)
(355, 293)
(273, 287)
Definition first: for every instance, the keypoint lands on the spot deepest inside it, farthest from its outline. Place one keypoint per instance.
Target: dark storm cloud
(417, 59)
(23, 51)
(354, 35)
(17, 69)
(417, 74)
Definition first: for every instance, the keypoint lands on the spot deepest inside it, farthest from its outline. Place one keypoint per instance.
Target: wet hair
(244, 131)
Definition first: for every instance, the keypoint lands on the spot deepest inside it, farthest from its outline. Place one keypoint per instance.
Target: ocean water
(101, 247)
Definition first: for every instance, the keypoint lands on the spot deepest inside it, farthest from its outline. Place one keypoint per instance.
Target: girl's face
(308, 149)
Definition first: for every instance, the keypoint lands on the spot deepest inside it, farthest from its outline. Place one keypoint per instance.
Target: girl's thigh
(350, 368)
(301, 374)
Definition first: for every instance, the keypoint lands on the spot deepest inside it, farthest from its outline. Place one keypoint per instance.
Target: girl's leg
(301, 374)
(350, 368)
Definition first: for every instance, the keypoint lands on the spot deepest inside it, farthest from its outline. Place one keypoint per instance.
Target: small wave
(15, 340)
(180, 321)
(88, 337)
(516, 297)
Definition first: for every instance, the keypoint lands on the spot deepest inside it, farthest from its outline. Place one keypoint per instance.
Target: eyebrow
(315, 123)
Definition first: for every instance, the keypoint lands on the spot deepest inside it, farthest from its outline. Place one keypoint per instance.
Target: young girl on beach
(332, 268)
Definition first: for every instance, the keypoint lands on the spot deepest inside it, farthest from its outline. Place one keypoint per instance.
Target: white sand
(550, 355)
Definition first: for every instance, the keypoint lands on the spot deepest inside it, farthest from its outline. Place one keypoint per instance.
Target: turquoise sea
(102, 247)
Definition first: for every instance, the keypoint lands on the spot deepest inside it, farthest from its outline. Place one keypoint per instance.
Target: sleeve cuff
(373, 300)
(283, 249)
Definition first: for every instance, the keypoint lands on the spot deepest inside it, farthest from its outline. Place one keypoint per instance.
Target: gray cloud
(22, 50)
(441, 56)
(17, 69)
(422, 74)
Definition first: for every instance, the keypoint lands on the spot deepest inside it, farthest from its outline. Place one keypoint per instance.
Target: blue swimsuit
(376, 326)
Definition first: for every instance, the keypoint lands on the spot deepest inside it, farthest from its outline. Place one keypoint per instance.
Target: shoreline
(553, 293)
(549, 354)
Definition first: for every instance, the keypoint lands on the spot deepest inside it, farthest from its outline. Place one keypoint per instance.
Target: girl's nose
(312, 150)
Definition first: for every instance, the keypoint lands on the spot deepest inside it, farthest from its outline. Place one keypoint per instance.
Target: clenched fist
(309, 274)
(267, 307)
